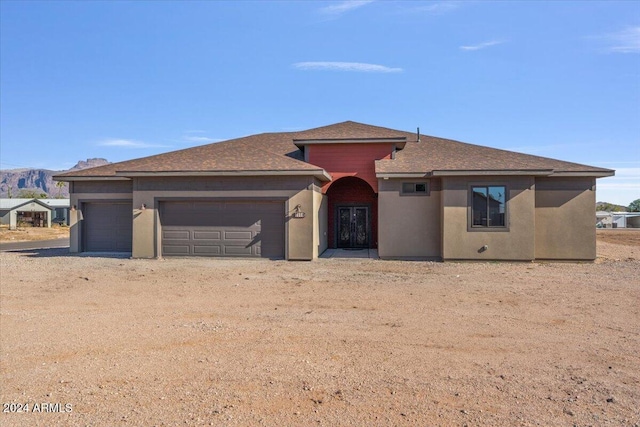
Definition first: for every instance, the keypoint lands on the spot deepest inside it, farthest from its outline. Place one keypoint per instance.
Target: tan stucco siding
(408, 225)
(293, 191)
(320, 221)
(565, 218)
(514, 242)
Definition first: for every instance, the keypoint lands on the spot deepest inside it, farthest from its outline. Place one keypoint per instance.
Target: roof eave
(387, 175)
(321, 174)
(498, 172)
(37, 201)
(595, 174)
(90, 178)
(400, 142)
(502, 172)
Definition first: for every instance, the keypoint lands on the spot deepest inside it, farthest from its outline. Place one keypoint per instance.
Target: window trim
(486, 228)
(427, 187)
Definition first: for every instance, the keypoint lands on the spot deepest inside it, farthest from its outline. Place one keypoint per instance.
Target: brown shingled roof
(440, 155)
(276, 153)
(257, 153)
(349, 130)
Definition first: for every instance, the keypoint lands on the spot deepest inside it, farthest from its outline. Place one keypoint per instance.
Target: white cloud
(127, 143)
(199, 139)
(481, 45)
(628, 173)
(346, 66)
(438, 8)
(622, 188)
(344, 6)
(624, 41)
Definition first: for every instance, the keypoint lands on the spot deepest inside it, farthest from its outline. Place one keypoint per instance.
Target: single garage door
(107, 226)
(223, 228)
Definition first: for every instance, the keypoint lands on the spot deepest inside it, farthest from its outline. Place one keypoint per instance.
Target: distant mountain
(17, 182)
(90, 163)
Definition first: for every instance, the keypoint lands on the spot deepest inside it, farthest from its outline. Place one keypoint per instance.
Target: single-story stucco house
(34, 212)
(349, 185)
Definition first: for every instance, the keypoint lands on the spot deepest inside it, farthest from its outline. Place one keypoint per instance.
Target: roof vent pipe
(418, 135)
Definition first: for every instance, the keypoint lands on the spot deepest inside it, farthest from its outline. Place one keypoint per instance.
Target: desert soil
(113, 341)
(24, 234)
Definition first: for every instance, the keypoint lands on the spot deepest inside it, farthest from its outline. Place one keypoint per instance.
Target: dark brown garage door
(107, 226)
(223, 228)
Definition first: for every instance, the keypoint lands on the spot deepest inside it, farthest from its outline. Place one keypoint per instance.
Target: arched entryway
(353, 214)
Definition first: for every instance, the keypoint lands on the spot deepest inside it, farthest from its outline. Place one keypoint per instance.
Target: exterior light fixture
(297, 213)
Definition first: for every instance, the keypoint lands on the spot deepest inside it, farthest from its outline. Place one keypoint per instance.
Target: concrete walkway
(350, 253)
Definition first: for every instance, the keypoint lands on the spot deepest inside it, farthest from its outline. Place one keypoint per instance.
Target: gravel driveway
(106, 341)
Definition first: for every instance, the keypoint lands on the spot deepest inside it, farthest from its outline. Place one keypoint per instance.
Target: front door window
(353, 227)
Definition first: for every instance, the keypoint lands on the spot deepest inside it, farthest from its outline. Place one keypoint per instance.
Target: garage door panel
(175, 234)
(176, 250)
(238, 250)
(107, 226)
(206, 235)
(207, 250)
(238, 235)
(224, 228)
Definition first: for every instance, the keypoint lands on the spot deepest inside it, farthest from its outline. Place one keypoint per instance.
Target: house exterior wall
(514, 242)
(342, 160)
(564, 212)
(300, 243)
(303, 240)
(409, 226)
(320, 221)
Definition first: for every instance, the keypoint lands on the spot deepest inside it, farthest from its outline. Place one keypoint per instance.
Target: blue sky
(122, 80)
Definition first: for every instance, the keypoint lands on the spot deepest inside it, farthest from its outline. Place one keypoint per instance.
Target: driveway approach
(35, 244)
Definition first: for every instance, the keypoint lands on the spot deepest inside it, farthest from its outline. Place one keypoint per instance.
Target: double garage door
(107, 226)
(223, 228)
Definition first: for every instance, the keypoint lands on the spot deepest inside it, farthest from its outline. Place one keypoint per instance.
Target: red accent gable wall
(342, 160)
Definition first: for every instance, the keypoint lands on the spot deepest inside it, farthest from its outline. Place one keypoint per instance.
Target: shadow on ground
(64, 253)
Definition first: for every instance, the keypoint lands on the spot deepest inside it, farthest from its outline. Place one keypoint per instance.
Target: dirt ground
(23, 234)
(107, 341)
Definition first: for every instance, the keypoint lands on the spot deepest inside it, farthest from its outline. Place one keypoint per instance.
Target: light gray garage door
(223, 228)
(107, 226)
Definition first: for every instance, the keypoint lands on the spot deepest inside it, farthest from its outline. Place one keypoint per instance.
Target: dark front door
(353, 227)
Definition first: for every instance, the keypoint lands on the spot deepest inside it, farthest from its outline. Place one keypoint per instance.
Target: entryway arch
(353, 214)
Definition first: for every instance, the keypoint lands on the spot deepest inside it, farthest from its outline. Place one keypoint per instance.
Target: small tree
(634, 206)
(60, 185)
(26, 193)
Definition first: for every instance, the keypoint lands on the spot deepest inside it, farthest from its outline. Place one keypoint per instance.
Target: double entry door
(353, 227)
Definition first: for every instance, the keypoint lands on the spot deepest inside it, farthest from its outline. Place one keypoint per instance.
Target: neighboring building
(606, 219)
(59, 210)
(292, 195)
(34, 212)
